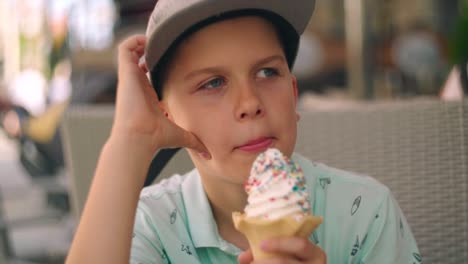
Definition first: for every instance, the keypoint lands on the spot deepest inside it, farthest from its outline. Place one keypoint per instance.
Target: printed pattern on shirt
(356, 204)
(353, 200)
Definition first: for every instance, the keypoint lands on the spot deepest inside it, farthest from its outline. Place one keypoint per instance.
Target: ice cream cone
(257, 230)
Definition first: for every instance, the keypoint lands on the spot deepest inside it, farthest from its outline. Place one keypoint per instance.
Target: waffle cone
(257, 230)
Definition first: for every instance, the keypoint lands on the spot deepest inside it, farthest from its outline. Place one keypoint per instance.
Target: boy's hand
(138, 114)
(294, 249)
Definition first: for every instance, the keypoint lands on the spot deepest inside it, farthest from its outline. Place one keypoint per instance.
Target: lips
(257, 145)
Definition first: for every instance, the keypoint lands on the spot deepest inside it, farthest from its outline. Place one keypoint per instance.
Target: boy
(227, 94)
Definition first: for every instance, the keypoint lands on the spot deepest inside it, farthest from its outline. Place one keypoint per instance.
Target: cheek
(281, 90)
(208, 121)
(281, 101)
(282, 109)
(209, 126)
(285, 123)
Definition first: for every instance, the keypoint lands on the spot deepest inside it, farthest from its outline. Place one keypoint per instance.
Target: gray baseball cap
(171, 18)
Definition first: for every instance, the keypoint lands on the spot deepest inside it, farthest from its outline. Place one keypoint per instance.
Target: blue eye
(267, 72)
(213, 84)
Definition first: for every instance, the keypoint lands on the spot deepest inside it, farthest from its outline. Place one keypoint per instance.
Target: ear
(296, 95)
(165, 110)
(294, 86)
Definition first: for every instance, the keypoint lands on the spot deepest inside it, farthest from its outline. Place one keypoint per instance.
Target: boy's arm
(139, 129)
(104, 232)
(389, 239)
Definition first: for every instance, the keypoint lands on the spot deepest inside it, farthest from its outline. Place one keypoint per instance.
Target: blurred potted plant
(459, 45)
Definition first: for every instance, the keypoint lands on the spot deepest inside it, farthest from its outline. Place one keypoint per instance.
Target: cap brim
(169, 21)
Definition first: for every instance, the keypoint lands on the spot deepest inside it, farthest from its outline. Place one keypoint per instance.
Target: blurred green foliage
(459, 38)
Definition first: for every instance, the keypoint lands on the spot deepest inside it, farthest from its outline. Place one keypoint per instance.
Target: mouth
(256, 145)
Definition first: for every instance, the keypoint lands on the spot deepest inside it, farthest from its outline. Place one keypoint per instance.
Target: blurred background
(58, 54)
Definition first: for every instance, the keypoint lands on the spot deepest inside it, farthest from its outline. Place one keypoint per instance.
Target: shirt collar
(202, 226)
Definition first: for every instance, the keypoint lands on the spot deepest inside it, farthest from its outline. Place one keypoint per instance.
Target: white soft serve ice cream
(276, 188)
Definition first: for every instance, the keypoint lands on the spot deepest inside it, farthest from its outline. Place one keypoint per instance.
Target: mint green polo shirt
(362, 221)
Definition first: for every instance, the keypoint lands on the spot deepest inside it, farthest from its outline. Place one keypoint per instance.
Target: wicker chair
(418, 149)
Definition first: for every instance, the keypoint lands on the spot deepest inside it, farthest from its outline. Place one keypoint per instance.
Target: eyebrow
(215, 69)
(270, 59)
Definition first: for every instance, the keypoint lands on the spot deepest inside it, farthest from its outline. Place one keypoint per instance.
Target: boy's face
(230, 85)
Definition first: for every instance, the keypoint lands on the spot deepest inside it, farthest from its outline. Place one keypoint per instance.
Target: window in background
(92, 24)
(394, 48)
(409, 46)
(321, 62)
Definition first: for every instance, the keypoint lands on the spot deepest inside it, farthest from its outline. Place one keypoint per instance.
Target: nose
(249, 103)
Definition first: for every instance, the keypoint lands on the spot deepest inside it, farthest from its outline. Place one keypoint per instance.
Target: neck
(225, 200)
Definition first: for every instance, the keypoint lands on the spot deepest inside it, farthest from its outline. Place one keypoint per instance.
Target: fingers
(132, 67)
(143, 66)
(290, 250)
(278, 261)
(135, 90)
(176, 136)
(189, 140)
(194, 143)
(300, 248)
(245, 257)
(132, 48)
(130, 52)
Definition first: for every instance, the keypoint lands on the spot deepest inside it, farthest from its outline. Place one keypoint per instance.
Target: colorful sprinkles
(272, 169)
